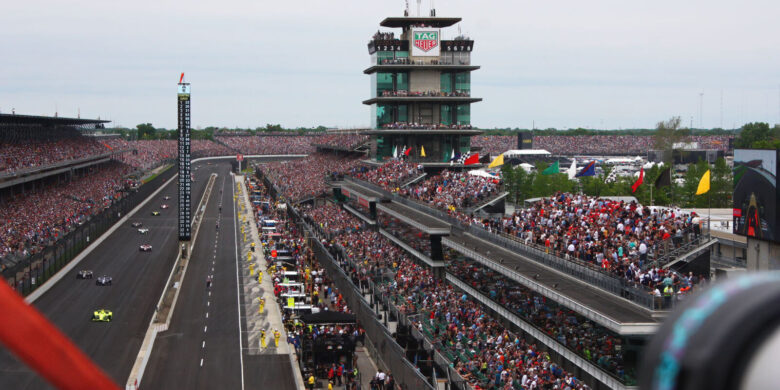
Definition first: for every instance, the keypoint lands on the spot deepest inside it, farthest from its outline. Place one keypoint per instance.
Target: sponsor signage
(185, 174)
(755, 193)
(425, 43)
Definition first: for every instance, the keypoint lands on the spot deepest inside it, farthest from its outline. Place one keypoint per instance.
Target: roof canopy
(34, 120)
(428, 21)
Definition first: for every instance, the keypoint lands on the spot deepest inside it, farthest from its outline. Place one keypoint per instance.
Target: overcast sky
(566, 63)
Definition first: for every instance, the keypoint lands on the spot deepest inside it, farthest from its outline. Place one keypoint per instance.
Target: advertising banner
(425, 43)
(755, 193)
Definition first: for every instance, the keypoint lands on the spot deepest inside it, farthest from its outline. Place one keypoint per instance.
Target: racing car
(164, 206)
(166, 197)
(143, 230)
(136, 224)
(155, 213)
(104, 280)
(102, 315)
(145, 248)
(84, 274)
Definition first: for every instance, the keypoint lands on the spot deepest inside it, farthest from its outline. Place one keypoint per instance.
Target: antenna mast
(433, 9)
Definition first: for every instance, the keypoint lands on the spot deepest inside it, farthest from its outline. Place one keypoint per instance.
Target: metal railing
(388, 351)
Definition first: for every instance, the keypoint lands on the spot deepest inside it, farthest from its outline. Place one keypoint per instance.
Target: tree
(666, 134)
(753, 133)
(722, 184)
(146, 131)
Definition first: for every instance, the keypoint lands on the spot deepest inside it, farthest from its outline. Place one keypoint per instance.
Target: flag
(422, 151)
(664, 178)
(611, 177)
(572, 169)
(407, 151)
(181, 78)
(639, 181)
(497, 162)
(552, 169)
(588, 170)
(395, 151)
(704, 184)
(455, 157)
(473, 159)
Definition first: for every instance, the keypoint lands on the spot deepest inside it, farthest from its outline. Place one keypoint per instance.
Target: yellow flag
(498, 161)
(422, 152)
(704, 183)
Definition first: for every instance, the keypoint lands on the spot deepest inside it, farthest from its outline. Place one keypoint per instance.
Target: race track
(139, 278)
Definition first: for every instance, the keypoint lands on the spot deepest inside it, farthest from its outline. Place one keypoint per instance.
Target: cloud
(563, 64)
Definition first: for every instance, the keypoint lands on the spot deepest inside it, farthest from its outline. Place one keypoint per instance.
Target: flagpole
(651, 194)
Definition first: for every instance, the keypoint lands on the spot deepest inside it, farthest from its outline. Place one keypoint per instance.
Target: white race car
(143, 230)
(165, 206)
(145, 248)
(166, 197)
(136, 224)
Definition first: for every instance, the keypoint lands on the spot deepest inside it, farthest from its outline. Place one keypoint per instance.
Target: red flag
(639, 181)
(473, 159)
(407, 151)
(181, 78)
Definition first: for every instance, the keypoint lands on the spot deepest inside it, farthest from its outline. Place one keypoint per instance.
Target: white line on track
(204, 329)
(207, 314)
(204, 344)
(238, 287)
(201, 362)
(208, 303)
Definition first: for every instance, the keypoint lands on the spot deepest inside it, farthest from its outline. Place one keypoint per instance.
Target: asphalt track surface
(139, 278)
(201, 349)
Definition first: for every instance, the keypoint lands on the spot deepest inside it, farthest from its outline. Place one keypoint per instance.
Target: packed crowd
(330, 219)
(617, 236)
(272, 144)
(588, 339)
(304, 178)
(453, 191)
(495, 144)
(405, 93)
(389, 176)
(208, 148)
(617, 144)
(144, 154)
(24, 149)
(383, 36)
(343, 141)
(424, 126)
(483, 351)
(33, 220)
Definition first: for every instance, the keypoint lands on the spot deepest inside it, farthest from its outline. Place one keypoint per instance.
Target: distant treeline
(581, 131)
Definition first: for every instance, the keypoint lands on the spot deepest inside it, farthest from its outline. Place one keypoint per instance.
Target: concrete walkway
(254, 262)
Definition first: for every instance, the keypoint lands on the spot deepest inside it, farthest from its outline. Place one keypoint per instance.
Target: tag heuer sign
(425, 42)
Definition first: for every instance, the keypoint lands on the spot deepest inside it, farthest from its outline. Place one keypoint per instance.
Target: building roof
(469, 132)
(527, 152)
(422, 99)
(406, 21)
(400, 67)
(48, 121)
